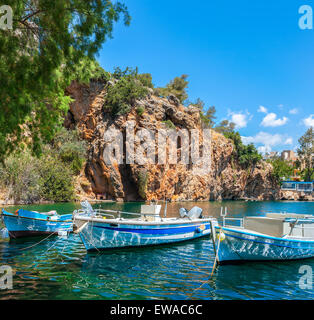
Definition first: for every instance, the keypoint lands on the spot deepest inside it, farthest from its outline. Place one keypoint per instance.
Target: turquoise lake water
(60, 268)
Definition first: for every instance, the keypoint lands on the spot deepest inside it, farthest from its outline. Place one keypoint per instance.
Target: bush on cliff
(122, 94)
(142, 183)
(71, 150)
(177, 87)
(247, 155)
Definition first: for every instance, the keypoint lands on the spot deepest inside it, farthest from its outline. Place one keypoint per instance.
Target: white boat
(276, 236)
(108, 229)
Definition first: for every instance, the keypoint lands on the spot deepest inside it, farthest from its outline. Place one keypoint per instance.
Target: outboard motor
(86, 206)
(195, 213)
(183, 212)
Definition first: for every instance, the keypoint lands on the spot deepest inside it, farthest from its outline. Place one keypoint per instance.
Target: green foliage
(281, 169)
(30, 179)
(142, 183)
(177, 87)
(140, 110)
(20, 177)
(208, 116)
(122, 94)
(169, 124)
(56, 181)
(246, 155)
(51, 43)
(146, 80)
(70, 149)
(225, 127)
(305, 153)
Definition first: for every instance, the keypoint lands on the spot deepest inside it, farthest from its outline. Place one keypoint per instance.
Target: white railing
(223, 214)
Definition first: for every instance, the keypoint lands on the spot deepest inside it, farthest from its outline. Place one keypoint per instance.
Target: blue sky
(249, 59)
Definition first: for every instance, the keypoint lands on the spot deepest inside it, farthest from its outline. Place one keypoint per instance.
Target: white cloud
(270, 120)
(293, 111)
(267, 141)
(309, 122)
(289, 141)
(239, 118)
(262, 109)
(264, 138)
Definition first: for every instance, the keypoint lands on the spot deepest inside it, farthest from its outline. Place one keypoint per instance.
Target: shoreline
(4, 204)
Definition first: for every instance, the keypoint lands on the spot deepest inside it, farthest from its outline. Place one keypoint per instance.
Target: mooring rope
(213, 269)
(34, 245)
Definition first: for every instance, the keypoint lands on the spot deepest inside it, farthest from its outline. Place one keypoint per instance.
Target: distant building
(298, 186)
(288, 155)
(271, 155)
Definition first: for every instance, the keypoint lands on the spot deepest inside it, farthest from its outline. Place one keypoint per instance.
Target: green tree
(44, 51)
(225, 126)
(177, 87)
(124, 91)
(281, 169)
(247, 155)
(208, 116)
(305, 153)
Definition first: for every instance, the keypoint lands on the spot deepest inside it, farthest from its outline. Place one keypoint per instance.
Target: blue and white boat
(276, 236)
(25, 223)
(108, 229)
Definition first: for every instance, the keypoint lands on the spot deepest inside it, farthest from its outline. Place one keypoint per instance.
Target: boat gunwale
(11, 215)
(145, 223)
(262, 235)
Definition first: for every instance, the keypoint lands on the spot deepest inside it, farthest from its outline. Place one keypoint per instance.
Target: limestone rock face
(224, 179)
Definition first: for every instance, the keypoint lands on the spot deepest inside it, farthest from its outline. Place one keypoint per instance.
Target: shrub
(127, 87)
(20, 177)
(30, 179)
(140, 110)
(71, 150)
(56, 182)
(122, 95)
(142, 183)
(247, 155)
(169, 124)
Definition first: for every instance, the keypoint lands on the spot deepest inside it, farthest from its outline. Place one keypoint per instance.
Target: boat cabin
(282, 225)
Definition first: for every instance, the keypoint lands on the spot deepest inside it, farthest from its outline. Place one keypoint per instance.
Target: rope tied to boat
(34, 245)
(215, 262)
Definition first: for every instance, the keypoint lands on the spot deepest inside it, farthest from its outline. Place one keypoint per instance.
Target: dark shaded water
(60, 268)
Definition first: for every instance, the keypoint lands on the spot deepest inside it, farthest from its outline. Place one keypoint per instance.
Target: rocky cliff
(225, 179)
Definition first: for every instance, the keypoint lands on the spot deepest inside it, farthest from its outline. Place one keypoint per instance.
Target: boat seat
(265, 225)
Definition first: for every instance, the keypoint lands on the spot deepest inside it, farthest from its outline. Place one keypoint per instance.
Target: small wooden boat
(277, 236)
(108, 229)
(25, 223)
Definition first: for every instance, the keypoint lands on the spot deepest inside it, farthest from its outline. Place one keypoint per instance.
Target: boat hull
(240, 246)
(19, 227)
(102, 236)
